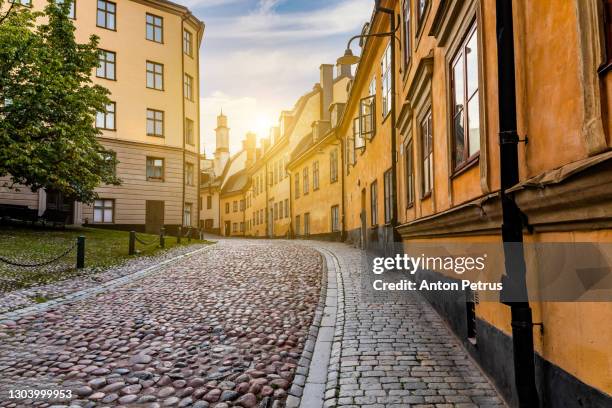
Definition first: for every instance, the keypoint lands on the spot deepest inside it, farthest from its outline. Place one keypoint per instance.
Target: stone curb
(104, 287)
(299, 381)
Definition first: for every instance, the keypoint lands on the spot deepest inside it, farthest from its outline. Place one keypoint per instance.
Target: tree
(48, 105)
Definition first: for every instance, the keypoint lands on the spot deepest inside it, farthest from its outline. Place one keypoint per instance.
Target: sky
(259, 56)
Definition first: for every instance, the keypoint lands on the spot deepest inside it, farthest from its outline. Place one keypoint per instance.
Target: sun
(262, 125)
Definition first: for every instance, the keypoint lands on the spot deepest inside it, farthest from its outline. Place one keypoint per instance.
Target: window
(385, 69)
(409, 175)
(106, 15)
(608, 32)
(71, 7)
(297, 225)
(297, 185)
(350, 152)
(426, 155)
(280, 210)
(406, 32)
(307, 224)
(227, 208)
(155, 168)
(374, 202)
(235, 206)
(335, 218)
(187, 214)
(315, 175)
(242, 204)
(208, 202)
(27, 3)
(241, 226)
(155, 28)
(188, 87)
(187, 42)
(235, 227)
(466, 111)
(189, 174)
(389, 195)
(106, 65)
(372, 87)
(106, 119)
(333, 166)
(104, 211)
(275, 211)
(306, 185)
(286, 208)
(359, 140)
(155, 123)
(367, 123)
(421, 10)
(111, 157)
(155, 75)
(189, 132)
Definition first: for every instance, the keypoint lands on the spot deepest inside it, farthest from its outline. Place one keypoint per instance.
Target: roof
(302, 147)
(236, 183)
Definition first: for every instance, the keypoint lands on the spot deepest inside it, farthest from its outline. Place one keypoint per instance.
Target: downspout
(182, 216)
(514, 281)
(394, 223)
(199, 189)
(341, 159)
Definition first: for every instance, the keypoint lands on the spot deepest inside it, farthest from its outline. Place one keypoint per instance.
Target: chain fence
(144, 242)
(42, 263)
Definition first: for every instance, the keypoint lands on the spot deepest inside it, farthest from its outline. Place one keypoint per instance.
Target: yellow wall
(234, 217)
(318, 202)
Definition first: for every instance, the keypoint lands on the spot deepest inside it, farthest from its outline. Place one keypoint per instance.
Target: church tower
(222, 150)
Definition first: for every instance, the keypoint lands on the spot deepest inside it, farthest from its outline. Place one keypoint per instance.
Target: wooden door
(58, 202)
(154, 218)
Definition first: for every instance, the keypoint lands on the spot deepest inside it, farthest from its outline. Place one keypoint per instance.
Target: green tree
(48, 105)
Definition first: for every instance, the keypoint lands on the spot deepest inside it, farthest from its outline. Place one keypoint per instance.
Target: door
(154, 218)
(228, 228)
(271, 223)
(57, 201)
(363, 218)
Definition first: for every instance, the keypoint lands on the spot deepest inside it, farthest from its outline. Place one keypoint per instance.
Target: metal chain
(145, 243)
(32, 265)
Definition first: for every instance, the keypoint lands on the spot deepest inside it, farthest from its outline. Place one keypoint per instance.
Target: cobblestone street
(224, 326)
(229, 326)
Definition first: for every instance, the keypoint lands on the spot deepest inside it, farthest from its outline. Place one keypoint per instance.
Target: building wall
(371, 162)
(278, 190)
(318, 202)
(258, 210)
(213, 212)
(563, 109)
(133, 98)
(233, 217)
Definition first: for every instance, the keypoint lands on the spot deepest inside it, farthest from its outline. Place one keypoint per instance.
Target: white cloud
(337, 19)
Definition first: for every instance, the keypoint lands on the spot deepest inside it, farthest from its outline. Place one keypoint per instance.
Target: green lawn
(103, 248)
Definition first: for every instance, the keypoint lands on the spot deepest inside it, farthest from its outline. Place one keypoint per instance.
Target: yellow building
(232, 201)
(315, 165)
(149, 61)
(451, 107)
(367, 132)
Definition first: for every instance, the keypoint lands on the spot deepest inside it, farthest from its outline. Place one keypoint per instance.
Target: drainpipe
(342, 159)
(182, 217)
(514, 280)
(392, 28)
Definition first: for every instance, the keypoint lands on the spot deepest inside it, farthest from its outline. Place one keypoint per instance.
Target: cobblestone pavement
(394, 352)
(88, 278)
(224, 327)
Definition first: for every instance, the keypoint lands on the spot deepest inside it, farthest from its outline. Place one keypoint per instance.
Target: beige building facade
(149, 61)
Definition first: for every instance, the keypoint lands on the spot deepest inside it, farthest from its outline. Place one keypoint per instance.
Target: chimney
(327, 89)
(249, 145)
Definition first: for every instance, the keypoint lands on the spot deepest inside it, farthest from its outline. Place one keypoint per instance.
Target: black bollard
(189, 235)
(80, 263)
(132, 244)
(178, 234)
(162, 240)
